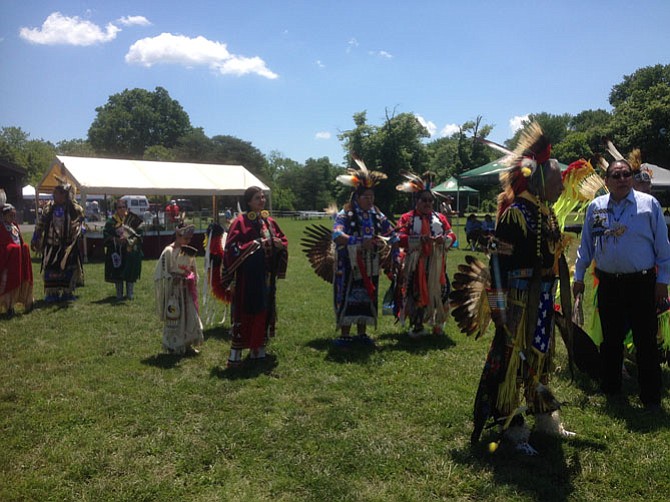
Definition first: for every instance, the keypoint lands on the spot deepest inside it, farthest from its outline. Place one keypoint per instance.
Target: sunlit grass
(90, 409)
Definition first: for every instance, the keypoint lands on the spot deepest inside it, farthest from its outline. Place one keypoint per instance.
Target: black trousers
(628, 302)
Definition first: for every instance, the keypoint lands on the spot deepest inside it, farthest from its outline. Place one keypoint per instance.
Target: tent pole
(83, 203)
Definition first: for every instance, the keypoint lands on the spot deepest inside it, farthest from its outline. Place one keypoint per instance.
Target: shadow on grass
(166, 361)
(547, 476)
(110, 300)
(626, 405)
(42, 305)
(419, 345)
(637, 418)
(356, 353)
(218, 332)
(251, 368)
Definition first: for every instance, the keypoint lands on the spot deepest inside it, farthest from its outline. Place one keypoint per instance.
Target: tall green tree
(34, 155)
(392, 147)
(136, 119)
(76, 148)
(277, 169)
(460, 152)
(641, 117)
(194, 146)
(232, 150)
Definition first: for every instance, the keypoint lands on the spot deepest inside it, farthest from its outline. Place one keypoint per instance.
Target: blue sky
(289, 75)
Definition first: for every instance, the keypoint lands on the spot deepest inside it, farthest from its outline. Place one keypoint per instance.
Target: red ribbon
(369, 286)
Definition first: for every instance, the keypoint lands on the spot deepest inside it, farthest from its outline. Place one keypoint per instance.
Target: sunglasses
(619, 175)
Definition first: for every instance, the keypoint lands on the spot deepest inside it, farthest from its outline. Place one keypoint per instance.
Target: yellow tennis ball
(493, 446)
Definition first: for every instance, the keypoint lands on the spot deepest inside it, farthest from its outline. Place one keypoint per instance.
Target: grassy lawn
(90, 409)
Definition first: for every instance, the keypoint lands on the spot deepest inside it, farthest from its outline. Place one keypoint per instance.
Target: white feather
(361, 165)
(495, 146)
(613, 151)
(346, 179)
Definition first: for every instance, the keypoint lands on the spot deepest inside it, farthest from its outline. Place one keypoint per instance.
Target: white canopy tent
(92, 175)
(660, 176)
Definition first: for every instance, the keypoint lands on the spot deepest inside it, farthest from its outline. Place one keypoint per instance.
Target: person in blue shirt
(625, 233)
(488, 226)
(473, 231)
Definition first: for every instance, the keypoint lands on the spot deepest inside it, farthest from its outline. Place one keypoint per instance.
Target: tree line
(140, 124)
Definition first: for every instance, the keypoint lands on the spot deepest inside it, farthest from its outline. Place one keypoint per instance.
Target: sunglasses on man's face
(424, 199)
(621, 174)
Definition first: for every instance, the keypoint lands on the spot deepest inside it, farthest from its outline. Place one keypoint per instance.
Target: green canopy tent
(453, 188)
(488, 174)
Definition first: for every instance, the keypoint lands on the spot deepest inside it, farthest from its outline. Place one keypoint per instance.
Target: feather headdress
(582, 184)
(361, 177)
(532, 150)
(609, 146)
(415, 184)
(509, 154)
(640, 171)
(533, 147)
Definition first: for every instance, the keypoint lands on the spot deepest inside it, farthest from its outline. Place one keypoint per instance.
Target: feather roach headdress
(361, 178)
(416, 184)
(533, 150)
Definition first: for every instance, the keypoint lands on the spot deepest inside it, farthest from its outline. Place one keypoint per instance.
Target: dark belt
(600, 274)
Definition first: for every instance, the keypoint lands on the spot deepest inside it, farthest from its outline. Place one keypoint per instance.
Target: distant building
(12, 179)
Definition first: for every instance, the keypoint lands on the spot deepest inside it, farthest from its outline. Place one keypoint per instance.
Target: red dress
(252, 269)
(16, 271)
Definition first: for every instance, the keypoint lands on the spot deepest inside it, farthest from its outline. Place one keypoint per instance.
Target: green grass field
(90, 409)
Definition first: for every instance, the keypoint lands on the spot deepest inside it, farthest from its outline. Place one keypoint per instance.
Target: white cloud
(134, 21)
(352, 44)
(320, 64)
(60, 29)
(322, 135)
(190, 52)
(381, 54)
(449, 129)
(430, 126)
(515, 123)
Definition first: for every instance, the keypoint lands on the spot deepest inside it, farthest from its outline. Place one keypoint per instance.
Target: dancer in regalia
(56, 237)
(527, 259)
(360, 232)
(16, 271)
(123, 240)
(254, 257)
(176, 282)
(425, 236)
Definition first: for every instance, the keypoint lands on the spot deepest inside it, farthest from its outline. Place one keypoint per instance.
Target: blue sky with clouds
(289, 75)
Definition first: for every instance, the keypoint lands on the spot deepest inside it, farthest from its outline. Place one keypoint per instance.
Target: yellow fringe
(515, 217)
(508, 394)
